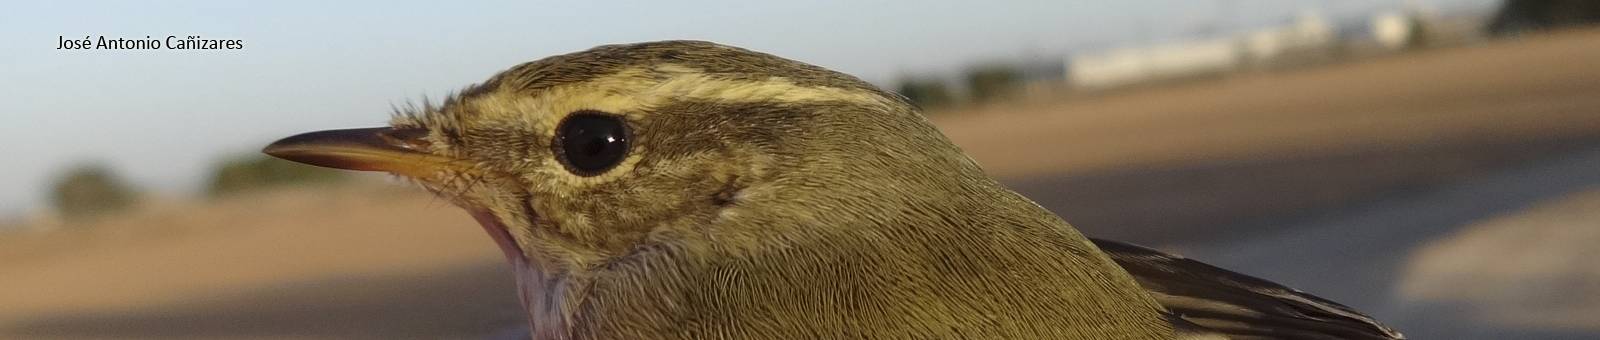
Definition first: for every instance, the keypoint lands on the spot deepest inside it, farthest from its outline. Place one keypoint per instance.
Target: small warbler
(690, 190)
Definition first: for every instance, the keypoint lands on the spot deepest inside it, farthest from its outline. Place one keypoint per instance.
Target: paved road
(1355, 255)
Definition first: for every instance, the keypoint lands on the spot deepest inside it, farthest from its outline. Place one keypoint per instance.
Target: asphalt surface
(1355, 255)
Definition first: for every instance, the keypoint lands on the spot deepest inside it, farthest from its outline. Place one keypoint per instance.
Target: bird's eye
(590, 142)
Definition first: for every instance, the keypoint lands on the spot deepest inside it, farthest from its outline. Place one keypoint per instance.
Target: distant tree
(1421, 36)
(253, 172)
(90, 190)
(1518, 16)
(926, 93)
(993, 81)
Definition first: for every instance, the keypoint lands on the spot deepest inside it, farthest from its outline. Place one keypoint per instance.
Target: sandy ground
(1496, 93)
(354, 249)
(1248, 171)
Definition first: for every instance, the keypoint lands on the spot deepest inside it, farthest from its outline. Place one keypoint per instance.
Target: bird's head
(583, 160)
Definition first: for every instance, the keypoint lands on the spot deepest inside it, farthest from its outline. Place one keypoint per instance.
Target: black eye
(589, 142)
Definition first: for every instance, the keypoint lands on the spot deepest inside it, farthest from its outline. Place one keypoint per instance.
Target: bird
(694, 190)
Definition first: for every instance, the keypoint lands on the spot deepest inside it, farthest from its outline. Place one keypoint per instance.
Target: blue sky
(161, 118)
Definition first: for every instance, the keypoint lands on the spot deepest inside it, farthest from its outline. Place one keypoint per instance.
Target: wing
(1210, 302)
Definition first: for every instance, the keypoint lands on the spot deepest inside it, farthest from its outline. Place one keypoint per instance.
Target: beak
(400, 151)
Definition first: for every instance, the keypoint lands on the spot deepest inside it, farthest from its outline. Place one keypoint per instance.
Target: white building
(1308, 34)
(1126, 66)
(1392, 30)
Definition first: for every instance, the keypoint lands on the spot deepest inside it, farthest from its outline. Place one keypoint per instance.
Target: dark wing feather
(1208, 301)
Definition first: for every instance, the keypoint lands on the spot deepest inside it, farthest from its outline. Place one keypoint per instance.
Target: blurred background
(1435, 163)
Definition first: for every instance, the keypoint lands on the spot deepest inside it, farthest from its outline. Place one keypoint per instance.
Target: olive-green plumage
(760, 198)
